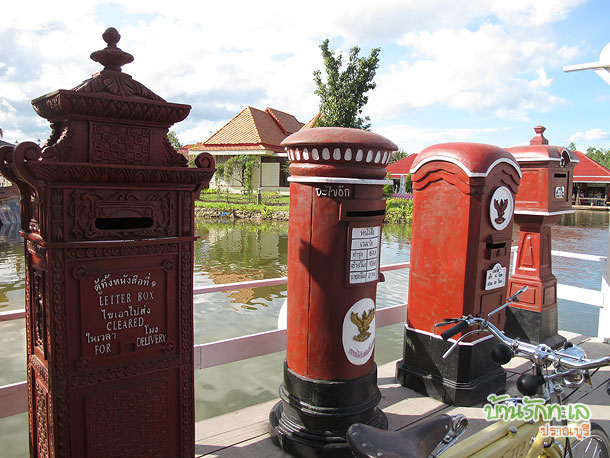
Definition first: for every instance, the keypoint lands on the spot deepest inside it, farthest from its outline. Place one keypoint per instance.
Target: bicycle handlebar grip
(462, 325)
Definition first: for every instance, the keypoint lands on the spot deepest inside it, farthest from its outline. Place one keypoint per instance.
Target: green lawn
(270, 200)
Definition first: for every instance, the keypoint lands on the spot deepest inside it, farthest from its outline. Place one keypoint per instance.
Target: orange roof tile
(587, 170)
(309, 124)
(288, 123)
(253, 129)
(401, 167)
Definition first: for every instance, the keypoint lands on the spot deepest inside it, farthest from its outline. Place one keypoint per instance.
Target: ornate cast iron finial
(111, 79)
(112, 57)
(539, 137)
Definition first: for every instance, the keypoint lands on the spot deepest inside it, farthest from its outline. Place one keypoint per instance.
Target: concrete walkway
(243, 434)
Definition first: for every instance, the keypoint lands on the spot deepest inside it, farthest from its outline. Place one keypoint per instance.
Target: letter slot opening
(121, 224)
(495, 249)
(494, 246)
(364, 214)
(560, 175)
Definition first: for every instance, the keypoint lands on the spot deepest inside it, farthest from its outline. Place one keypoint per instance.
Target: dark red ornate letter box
(107, 217)
(460, 250)
(336, 213)
(544, 195)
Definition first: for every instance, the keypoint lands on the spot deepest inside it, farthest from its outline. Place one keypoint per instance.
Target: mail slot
(334, 240)
(107, 218)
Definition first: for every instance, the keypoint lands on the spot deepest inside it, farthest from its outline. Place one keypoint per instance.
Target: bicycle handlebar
(530, 351)
(461, 326)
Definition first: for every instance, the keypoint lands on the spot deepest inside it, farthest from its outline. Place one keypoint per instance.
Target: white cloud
(491, 70)
(484, 56)
(589, 136)
(414, 139)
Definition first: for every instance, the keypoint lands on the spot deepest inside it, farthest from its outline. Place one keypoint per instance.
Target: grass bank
(275, 206)
(212, 204)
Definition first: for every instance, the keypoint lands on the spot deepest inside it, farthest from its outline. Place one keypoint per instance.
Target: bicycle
(552, 371)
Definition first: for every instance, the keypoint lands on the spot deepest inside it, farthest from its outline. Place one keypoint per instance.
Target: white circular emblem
(501, 208)
(359, 331)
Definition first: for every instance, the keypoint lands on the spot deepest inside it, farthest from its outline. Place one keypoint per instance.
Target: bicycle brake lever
(456, 343)
(447, 322)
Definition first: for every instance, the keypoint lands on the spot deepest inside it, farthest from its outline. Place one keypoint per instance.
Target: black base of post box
(465, 378)
(313, 416)
(533, 327)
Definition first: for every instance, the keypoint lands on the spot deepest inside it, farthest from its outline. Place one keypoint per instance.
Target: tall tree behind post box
(343, 95)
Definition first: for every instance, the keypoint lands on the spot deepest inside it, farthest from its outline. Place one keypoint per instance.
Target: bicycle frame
(509, 440)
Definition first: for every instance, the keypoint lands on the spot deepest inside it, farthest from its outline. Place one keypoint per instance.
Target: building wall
(270, 174)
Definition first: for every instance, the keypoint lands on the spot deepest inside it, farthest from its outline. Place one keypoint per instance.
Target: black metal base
(465, 378)
(533, 327)
(313, 416)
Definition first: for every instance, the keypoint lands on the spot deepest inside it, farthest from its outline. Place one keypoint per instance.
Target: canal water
(229, 251)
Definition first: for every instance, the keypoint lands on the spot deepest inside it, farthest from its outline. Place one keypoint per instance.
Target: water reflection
(12, 268)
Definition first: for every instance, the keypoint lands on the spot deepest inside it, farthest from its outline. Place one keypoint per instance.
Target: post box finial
(539, 138)
(112, 57)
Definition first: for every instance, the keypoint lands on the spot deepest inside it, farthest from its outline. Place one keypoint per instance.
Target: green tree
(342, 96)
(397, 156)
(599, 155)
(241, 168)
(173, 140)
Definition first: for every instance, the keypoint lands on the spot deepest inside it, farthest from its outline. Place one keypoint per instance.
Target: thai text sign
(125, 313)
(364, 254)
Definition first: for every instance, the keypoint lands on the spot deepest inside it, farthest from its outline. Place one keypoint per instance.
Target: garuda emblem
(363, 324)
(500, 206)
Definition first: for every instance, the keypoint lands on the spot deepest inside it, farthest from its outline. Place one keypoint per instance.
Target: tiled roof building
(254, 132)
(591, 181)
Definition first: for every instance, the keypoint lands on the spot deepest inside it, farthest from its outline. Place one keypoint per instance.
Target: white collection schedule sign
(364, 254)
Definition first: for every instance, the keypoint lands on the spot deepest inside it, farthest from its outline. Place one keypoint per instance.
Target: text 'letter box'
(334, 235)
(463, 200)
(545, 194)
(107, 217)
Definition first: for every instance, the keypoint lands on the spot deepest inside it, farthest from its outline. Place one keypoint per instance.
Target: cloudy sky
(484, 71)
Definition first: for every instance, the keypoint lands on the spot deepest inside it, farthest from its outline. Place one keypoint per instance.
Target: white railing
(593, 297)
(13, 398)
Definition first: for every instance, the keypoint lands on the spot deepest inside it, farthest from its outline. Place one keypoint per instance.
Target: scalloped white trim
(338, 180)
(467, 171)
(382, 157)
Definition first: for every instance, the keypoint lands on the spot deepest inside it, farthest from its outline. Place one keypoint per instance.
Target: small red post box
(460, 250)
(107, 218)
(334, 235)
(545, 194)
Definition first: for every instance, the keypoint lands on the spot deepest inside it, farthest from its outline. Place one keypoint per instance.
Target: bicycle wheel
(596, 445)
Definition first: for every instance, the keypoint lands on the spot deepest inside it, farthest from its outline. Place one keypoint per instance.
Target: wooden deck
(243, 434)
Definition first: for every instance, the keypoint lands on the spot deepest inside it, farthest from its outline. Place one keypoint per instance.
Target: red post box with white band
(460, 250)
(334, 235)
(108, 222)
(544, 196)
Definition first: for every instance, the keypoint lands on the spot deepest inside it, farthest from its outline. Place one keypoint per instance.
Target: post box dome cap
(540, 151)
(475, 159)
(338, 136)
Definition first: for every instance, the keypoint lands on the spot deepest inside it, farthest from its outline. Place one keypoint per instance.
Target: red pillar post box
(107, 218)
(336, 213)
(545, 194)
(463, 200)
